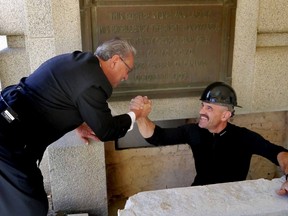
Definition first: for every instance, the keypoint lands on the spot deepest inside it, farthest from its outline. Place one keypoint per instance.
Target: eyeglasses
(129, 68)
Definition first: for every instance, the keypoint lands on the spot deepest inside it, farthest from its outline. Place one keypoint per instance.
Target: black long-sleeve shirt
(223, 157)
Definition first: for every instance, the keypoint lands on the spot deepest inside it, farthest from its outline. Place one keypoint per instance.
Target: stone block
(39, 22)
(12, 17)
(271, 68)
(14, 64)
(245, 198)
(273, 16)
(77, 175)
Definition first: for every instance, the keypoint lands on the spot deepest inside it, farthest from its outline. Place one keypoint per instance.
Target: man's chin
(202, 125)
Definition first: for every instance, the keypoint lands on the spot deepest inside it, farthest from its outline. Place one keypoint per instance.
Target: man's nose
(202, 110)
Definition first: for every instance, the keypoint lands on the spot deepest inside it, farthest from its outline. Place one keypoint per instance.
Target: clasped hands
(140, 105)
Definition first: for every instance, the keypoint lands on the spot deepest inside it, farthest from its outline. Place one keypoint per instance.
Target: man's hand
(137, 103)
(141, 106)
(86, 133)
(282, 158)
(284, 189)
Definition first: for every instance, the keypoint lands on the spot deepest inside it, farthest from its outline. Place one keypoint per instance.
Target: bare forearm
(146, 127)
(141, 106)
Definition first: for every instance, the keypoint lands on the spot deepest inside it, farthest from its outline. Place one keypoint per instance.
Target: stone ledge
(245, 198)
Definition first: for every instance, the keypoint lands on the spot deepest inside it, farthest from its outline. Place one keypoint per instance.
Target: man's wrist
(133, 119)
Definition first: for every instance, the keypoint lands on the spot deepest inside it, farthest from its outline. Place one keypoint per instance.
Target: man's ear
(226, 115)
(114, 60)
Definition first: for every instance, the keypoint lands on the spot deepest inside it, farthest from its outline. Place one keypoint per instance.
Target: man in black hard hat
(219, 97)
(222, 151)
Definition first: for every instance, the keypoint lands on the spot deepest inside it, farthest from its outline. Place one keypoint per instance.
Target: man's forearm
(146, 127)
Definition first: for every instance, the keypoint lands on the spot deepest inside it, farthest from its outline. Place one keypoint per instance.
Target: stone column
(78, 176)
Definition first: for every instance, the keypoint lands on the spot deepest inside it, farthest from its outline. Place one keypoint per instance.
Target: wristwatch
(286, 175)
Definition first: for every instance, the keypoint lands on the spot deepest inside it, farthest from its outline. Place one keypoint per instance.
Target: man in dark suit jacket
(62, 94)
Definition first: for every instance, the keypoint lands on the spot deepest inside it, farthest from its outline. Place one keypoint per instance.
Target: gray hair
(116, 46)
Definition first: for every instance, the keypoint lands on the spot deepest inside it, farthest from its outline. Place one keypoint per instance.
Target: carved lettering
(176, 45)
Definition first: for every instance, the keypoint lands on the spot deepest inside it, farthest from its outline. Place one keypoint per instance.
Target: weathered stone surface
(252, 197)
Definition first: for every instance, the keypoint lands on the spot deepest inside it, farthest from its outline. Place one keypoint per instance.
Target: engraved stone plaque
(181, 46)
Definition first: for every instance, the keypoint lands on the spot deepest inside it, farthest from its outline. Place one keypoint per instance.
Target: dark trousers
(21, 182)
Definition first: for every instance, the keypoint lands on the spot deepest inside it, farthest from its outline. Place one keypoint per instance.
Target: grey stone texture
(247, 198)
(77, 176)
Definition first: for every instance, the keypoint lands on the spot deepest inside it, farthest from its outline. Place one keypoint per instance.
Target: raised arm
(141, 107)
(145, 125)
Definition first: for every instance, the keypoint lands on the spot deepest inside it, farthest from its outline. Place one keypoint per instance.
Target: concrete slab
(246, 198)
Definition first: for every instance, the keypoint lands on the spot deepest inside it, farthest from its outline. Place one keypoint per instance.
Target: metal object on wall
(182, 46)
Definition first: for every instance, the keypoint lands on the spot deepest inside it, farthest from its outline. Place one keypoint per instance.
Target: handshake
(141, 106)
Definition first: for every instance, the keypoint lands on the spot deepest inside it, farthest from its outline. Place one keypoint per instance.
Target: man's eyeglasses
(129, 68)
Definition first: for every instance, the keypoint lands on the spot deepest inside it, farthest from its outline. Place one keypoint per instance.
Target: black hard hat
(219, 93)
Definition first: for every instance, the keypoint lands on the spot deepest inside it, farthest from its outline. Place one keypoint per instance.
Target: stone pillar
(78, 176)
(52, 28)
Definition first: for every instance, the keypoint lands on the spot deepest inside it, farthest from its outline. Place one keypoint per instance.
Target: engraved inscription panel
(180, 48)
